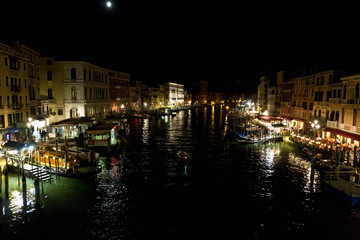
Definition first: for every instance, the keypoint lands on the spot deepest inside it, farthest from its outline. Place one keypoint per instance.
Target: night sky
(228, 43)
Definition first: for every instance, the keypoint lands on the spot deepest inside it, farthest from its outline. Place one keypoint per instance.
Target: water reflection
(143, 192)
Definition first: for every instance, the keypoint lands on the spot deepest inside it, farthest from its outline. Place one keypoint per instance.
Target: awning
(343, 133)
(72, 122)
(287, 118)
(270, 118)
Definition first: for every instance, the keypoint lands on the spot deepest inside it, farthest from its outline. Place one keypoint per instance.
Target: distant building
(119, 91)
(157, 97)
(135, 96)
(262, 96)
(199, 93)
(174, 95)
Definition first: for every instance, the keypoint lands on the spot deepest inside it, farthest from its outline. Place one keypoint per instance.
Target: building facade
(74, 89)
(157, 96)
(174, 95)
(19, 84)
(343, 121)
(119, 91)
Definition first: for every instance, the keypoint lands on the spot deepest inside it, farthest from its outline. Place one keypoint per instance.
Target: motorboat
(183, 156)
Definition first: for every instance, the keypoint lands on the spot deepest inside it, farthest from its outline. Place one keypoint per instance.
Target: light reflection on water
(143, 192)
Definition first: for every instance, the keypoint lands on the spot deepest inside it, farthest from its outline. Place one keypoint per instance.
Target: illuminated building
(156, 95)
(74, 89)
(174, 95)
(19, 84)
(343, 113)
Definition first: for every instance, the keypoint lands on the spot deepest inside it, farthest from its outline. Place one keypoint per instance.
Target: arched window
(354, 117)
(50, 93)
(339, 93)
(332, 116)
(73, 73)
(337, 116)
(49, 75)
(327, 115)
(319, 113)
(73, 93)
(357, 90)
(334, 93)
(344, 95)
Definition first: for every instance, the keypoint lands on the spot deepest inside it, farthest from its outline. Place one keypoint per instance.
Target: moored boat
(250, 141)
(183, 156)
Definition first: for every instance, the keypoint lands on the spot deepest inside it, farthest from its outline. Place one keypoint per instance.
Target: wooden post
(31, 162)
(18, 172)
(6, 183)
(49, 167)
(0, 179)
(1, 208)
(37, 193)
(24, 190)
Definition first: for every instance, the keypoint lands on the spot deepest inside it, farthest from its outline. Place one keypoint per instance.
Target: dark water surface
(229, 191)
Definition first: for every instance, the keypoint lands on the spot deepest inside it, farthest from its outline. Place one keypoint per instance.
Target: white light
(108, 4)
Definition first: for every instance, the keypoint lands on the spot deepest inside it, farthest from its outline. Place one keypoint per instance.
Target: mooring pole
(24, 189)
(6, 183)
(0, 179)
(37, 193)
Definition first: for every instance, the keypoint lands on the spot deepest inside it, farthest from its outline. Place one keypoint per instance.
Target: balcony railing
(337, 100)
(17, 106)
(332, 124)
(353, 101)
(15, 88)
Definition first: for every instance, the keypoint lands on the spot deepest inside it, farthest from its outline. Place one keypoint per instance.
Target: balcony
(353, 101)
(332, 124)
(348, 127)
(75, 101)
(46, 99)
(17, 106)
(15, 88)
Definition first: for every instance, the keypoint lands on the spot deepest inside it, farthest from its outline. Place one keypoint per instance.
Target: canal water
(228, 191)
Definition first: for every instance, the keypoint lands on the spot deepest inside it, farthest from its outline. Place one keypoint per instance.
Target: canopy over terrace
(343, 136)
(71, 127)
(293, 123)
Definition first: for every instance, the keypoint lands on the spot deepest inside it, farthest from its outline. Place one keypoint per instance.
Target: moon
(108, 4)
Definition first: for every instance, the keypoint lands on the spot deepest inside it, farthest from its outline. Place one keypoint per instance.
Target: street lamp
(29, 124)
(315, 127)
